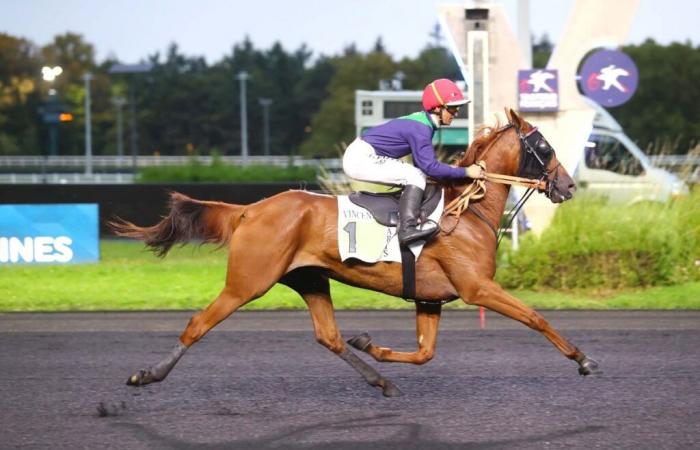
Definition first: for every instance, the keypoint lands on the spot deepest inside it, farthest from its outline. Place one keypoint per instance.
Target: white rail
(66, 178)
(126, 162)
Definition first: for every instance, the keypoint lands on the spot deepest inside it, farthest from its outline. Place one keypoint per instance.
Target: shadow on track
(410, 436)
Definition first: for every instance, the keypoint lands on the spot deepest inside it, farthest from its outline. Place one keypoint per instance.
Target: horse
(291, 238)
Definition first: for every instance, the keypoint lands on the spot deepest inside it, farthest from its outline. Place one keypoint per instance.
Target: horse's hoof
(361, 341)
(589, 367)
(391, 390)
(140, 378)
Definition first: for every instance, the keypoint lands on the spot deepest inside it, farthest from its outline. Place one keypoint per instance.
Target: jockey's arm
(424, 158)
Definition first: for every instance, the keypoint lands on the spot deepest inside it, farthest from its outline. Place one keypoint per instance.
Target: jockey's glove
(475, 171)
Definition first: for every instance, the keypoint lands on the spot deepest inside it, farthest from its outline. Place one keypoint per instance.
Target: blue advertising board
(538, 90)
(65, 233)
(609, 77)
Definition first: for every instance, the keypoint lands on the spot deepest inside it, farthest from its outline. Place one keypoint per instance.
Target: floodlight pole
(524, 36)
(119, 103)
(88, 126)
(265, 103)
(134, 130)
(50, 74)
(243, 77)
(132, 70)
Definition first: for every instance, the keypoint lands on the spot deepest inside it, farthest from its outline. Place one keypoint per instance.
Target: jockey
(374, 157)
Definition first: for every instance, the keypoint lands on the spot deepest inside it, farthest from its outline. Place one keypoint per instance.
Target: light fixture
(50, 73)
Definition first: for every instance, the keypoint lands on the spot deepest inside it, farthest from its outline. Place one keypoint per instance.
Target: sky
(131, 30)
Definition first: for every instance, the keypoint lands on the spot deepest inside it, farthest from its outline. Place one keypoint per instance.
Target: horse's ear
(509, 114)
(515, 118)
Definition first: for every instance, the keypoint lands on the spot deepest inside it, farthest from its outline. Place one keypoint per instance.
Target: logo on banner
(66, 233)
(609, 77)
(538, 90)
(37, 249)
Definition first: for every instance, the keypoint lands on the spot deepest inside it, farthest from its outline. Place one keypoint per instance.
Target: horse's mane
(485, 135)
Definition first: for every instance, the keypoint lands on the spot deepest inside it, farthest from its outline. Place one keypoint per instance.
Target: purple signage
(609, 77)
(538, 90)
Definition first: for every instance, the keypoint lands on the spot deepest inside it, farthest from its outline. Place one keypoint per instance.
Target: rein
(477, 189)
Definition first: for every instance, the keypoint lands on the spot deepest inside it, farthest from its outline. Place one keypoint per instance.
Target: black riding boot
(409, 209)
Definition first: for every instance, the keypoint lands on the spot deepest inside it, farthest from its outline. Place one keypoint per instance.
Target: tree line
(185, 105)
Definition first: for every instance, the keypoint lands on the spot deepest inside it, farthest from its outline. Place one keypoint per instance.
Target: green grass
(592, 243)
(130, 278)
(217, 171)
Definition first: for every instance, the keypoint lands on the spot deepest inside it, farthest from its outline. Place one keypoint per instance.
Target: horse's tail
(208, 222)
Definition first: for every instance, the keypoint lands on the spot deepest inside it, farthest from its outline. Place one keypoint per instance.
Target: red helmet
(442, 92)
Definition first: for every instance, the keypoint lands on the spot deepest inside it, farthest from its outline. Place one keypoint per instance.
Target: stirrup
(419, 235)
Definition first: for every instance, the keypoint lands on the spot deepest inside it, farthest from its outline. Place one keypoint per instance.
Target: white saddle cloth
(361, 237)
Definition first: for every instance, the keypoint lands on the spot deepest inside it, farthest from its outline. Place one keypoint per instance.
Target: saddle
(385, 206)
(385, 209)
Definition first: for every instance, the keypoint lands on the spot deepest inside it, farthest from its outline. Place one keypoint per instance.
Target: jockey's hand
(475, 171)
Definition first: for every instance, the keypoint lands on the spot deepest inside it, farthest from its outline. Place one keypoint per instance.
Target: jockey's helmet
(442, 92)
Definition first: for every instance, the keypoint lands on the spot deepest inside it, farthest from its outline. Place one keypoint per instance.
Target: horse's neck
(493, 204)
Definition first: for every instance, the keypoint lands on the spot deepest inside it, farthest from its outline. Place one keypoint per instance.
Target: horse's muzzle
(558, 195)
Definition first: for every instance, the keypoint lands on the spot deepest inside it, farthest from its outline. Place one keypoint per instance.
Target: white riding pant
(362, 163)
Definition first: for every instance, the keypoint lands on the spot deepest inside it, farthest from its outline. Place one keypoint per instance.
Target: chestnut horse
(291, 238)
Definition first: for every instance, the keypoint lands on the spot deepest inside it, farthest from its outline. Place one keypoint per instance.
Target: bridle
(535, 156)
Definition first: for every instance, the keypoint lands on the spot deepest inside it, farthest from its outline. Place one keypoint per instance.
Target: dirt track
(261, 381)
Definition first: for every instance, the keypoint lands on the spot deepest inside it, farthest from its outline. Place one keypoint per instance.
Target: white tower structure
(490, 56)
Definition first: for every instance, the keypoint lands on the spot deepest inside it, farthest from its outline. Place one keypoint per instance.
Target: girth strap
(408, 270)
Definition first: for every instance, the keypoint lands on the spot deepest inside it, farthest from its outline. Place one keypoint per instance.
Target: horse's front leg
(489, 294)
(427, 321)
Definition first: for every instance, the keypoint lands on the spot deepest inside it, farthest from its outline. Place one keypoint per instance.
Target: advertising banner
(538, 90)
(609, 77)
(57, 234)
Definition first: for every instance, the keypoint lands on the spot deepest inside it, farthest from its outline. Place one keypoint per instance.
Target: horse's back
(313, 211)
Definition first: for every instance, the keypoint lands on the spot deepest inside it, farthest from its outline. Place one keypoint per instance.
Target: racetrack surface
(260, 381)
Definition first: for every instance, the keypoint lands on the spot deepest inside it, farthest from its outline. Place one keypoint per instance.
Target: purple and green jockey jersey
(411, 134)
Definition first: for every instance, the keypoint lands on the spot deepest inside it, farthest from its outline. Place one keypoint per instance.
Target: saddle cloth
(361, 237)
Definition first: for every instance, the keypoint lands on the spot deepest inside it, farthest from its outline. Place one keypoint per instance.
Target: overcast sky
(133, 29)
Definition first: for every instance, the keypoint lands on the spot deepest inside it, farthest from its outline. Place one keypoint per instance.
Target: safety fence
(143, 204)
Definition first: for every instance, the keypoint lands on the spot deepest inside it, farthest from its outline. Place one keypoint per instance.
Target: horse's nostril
(572, 188)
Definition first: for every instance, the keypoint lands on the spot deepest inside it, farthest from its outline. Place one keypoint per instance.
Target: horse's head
(520, 150)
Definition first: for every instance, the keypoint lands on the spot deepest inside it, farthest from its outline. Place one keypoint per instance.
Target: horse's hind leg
(313, 286)
(223, 306)
(427, 320)
(250, 275)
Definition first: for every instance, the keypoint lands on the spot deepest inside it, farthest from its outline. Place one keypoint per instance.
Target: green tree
(19, 96)
(76, 57)
(334, 124)
(665, 107)
(335, 121)
(174, 105)
(432, 63)
(189, 106)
